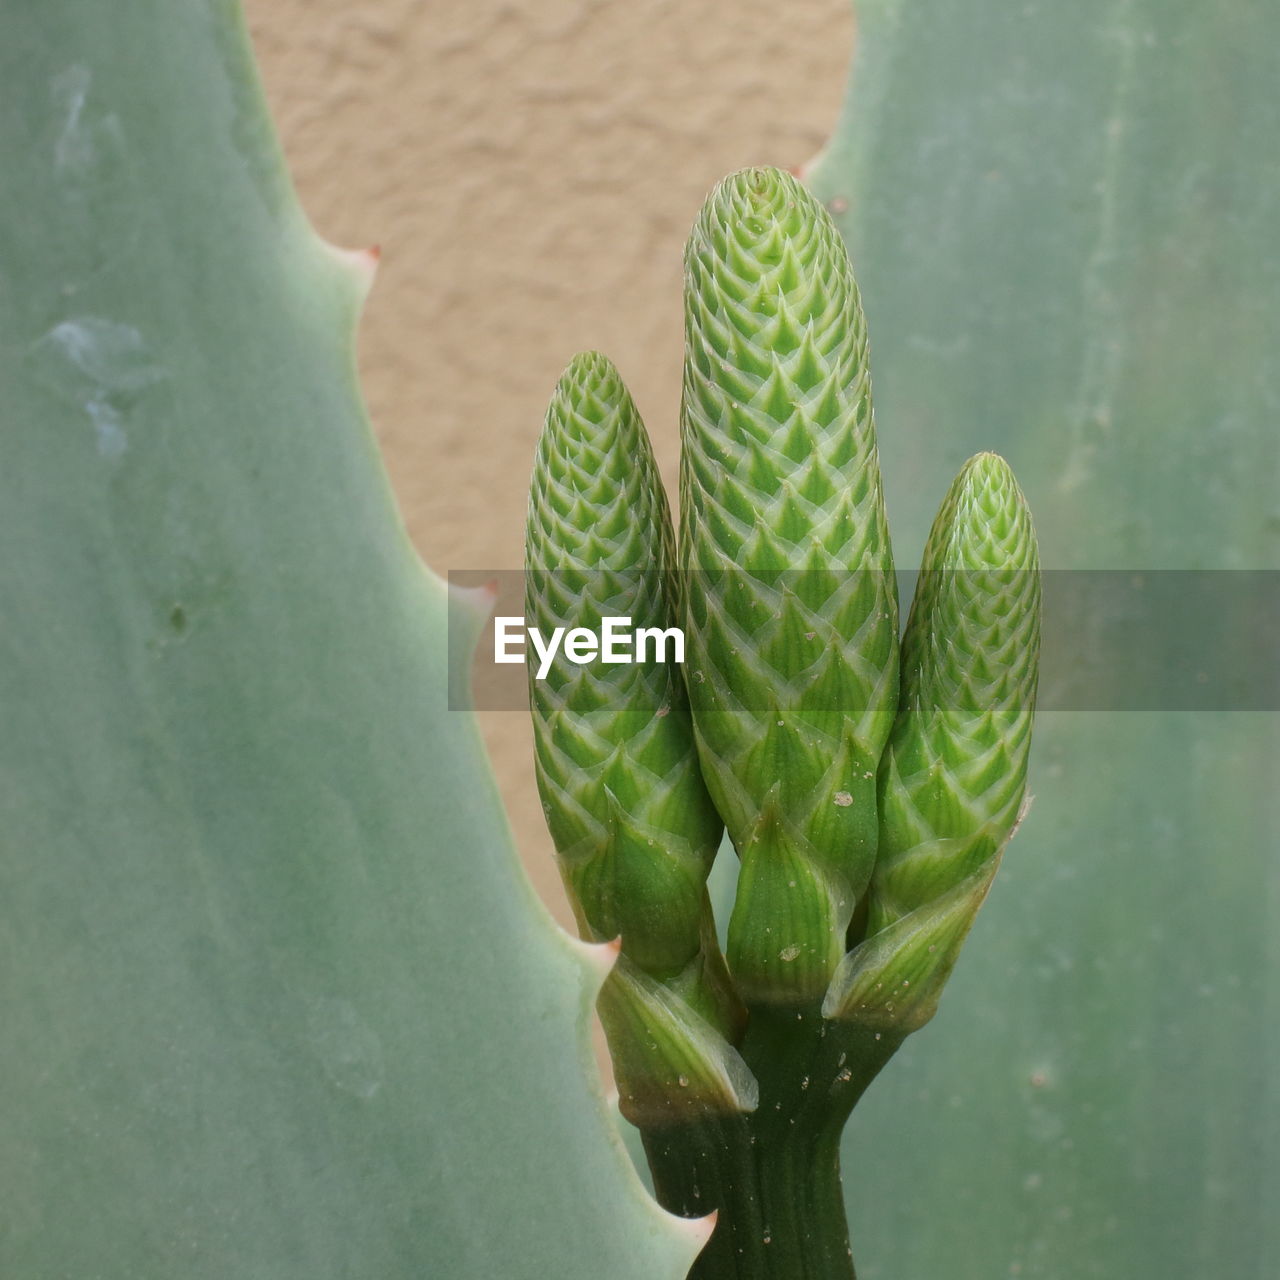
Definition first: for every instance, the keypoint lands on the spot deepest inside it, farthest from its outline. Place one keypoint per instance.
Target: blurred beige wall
(531, 172)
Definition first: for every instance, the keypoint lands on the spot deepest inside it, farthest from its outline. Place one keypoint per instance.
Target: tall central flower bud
(790, 604)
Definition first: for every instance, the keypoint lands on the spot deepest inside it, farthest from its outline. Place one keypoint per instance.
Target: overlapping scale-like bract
(953, 779)
(634, 827)
(789, 595)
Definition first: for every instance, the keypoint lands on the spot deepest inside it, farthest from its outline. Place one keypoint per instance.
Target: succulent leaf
(278, 999)
(790, 601)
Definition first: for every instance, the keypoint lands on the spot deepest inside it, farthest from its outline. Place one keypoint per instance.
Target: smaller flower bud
(953, 780)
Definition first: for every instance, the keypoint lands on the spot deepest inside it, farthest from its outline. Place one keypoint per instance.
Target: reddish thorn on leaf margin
(700, 1229)
(477, 602)
(602, 956)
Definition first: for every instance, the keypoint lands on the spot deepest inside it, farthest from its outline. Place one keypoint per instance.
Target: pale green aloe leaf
(276, 1000)
(1063, 221)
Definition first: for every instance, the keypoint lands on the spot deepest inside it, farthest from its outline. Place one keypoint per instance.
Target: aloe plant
(252, 866)
(277, 1000)
(869, 814)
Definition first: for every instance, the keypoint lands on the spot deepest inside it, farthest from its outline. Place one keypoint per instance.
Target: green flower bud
(790, 600)
(953, 780)
(634, 827)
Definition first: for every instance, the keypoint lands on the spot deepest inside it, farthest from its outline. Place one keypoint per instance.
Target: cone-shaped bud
(953, 780)
(790, 604)
(634, 827)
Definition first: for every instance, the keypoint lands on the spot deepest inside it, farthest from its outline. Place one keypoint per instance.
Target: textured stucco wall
(530, 171)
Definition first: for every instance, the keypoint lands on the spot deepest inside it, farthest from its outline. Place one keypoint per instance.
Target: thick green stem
(773, 1176)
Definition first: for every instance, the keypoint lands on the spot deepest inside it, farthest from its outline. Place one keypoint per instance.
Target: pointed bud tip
(589, 366)
(590, 402)
(987, 468)
(761, 234)
(756, 192)
(590, 375)
(984, 521)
